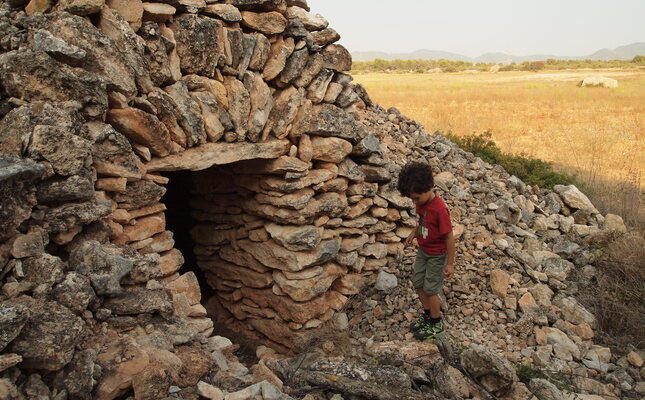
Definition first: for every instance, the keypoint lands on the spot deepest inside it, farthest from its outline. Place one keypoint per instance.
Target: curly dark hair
(415, 177)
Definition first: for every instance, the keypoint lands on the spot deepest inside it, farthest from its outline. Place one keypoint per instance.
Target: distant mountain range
(619, 53)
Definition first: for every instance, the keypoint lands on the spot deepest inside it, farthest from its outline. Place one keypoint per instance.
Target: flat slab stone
(209, 154)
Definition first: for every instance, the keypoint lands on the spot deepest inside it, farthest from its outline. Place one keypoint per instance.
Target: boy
(436, 255)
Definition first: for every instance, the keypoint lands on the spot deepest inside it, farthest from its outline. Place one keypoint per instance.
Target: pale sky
(474, 27)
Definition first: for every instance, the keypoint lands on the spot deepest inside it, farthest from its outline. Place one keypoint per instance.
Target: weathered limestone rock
(213, 115)
(18, 194)
(277, 58)
(293, 66)
(261, 52)
(575, 312)
(73, 188)
(157, 12)
(279, 166)
(132, 47)
(239, 105)
(269, 23)
(233, 272)
(499, 281)
(199, 43)
(330, 204)
(329, 120)
(130, 10)
(186, 284)
(599, 81)
(496, 374)
(226, 12)
(80, 7)
(313, 22)
(112, 154)
(376, 174)
(285, 105)
(317, 89)
(337, 57)
(48, 143)
(124, 69)
(351, 170)
(545, 389)
(306, 289)
(66, 217)
(614, 223)
(275, 256)
(48, 339)
(104, 265)
(330, 149)
(574, 198)
(38, 77)
(190, 116)
(295, 238)
(210, 154)
(325, 37)
(135, 302)
(296, 200)
(13, 315)
(238, 50)
(563, 347)
(38, 6)
(261, 104)
(75, 293)
(142, 128)
(315, 63)
(291, 310)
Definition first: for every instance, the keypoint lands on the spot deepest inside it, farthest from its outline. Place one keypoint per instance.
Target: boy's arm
(409, 241)
(450, 263)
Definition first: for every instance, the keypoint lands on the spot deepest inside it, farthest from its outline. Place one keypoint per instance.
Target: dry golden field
(596, 134)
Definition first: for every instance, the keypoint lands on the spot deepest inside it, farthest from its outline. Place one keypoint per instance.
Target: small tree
(639, 60)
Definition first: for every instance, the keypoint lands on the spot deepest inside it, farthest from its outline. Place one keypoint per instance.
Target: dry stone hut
(170, 168)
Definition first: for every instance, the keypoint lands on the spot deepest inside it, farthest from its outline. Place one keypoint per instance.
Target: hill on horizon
(627, 52)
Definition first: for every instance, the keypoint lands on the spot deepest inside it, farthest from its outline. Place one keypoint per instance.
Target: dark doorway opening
(179, 221)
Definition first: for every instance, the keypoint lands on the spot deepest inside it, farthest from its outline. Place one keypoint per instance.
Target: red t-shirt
(434, 224)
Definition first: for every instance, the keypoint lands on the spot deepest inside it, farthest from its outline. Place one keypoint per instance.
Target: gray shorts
(428, 272)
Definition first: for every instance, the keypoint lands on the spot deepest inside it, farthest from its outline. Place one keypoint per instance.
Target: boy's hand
(409, 241)
(449, 271)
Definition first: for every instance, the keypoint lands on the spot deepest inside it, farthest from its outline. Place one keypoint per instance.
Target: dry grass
(598, 134)
(617, 297)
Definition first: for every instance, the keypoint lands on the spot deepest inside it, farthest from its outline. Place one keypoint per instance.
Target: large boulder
(496, 374)
(49, 338)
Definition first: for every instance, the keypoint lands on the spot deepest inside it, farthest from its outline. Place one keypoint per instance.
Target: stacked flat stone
(284, 241)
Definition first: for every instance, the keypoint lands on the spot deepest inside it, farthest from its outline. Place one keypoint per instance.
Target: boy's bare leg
(435, 305)
(430, 302)
(423, 297)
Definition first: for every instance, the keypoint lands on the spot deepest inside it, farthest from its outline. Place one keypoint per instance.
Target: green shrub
(527, 372)
(532, 171)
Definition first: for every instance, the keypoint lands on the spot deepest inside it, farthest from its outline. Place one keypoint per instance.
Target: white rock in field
(599, 81)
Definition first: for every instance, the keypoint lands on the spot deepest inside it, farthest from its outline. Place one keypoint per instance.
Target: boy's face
(422, 198)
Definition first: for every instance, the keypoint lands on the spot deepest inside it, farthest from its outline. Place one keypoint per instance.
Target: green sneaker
(419, 323)
(429, 331)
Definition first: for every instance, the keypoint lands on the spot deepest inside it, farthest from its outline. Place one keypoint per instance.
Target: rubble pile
(295, 216)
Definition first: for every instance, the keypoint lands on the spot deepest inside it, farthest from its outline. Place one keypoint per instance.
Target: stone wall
(100, 98)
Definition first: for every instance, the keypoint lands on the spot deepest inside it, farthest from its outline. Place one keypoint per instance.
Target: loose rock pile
(294, 204)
